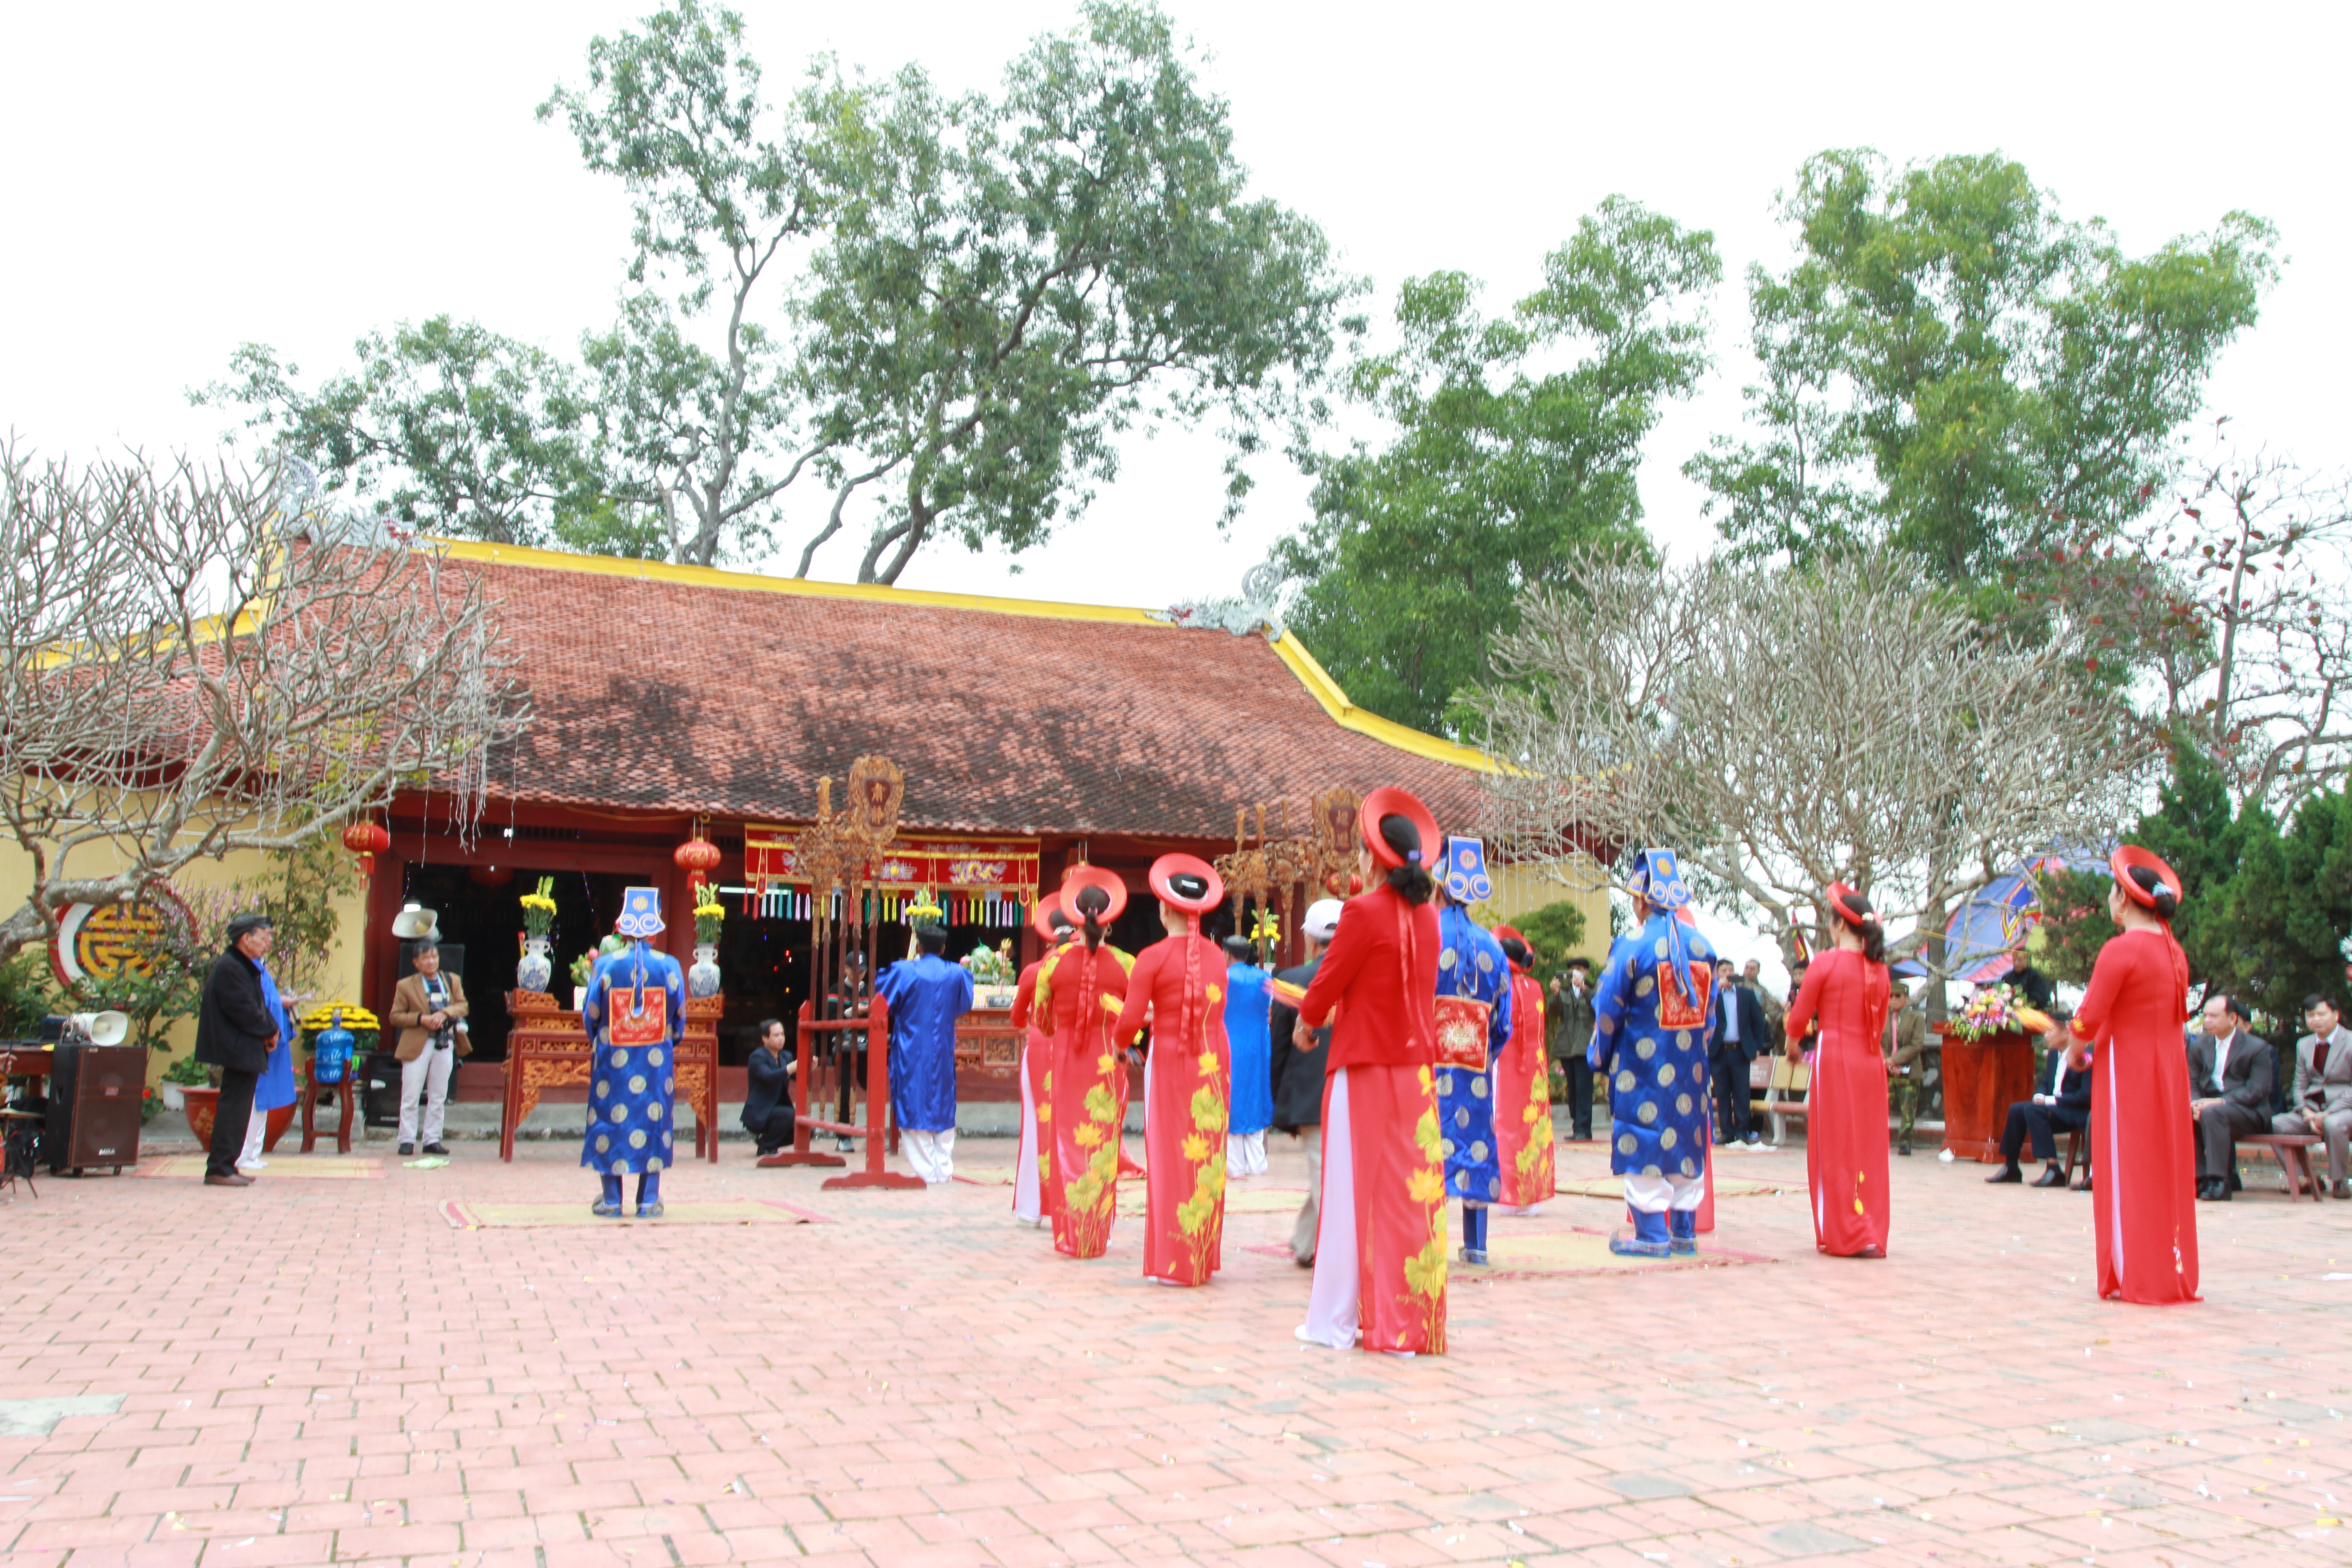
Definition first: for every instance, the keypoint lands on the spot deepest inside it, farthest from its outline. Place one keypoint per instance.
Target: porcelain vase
(535, 969)
(703, 979)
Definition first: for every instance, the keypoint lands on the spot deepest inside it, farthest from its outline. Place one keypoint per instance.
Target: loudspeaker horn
(414, 921)
(100, 1028)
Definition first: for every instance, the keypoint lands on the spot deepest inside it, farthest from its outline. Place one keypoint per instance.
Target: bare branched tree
(2257, 673)
(1784, 729)
(187, 669)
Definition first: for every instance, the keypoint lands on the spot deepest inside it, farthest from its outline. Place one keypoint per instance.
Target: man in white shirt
(2229, 1073)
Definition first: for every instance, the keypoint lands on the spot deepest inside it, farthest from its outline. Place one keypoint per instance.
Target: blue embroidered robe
(1247, 1005)
(926, 995)
(1470, 963)
(1651, 1043)
(634, 1014)
(276, 1087)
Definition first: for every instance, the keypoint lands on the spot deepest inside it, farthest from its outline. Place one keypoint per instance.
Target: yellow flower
(1196, 1148)
(1045, 1110)
(1428, 1082)
(1425, 1134)
(1208, 1064)
(1100, 1105)
(1104, 1063)
(1088, 1134)
(1426, 1186)
(1424, 1273)
(1215, 994)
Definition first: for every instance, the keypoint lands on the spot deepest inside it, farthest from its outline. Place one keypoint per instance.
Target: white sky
(183, 178)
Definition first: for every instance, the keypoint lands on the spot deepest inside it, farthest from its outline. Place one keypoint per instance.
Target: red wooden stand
(877, 1130)
(1981, 1079)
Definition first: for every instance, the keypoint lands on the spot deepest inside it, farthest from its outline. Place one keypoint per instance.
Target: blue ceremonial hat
(1659, 879)
(1464, 876)
(640, 914)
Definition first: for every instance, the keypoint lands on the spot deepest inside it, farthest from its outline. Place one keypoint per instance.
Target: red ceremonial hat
(1168, 867)
(1390, 801)
(1042, 922)
(1852, 905)
(1079, 877)
(2130, 856)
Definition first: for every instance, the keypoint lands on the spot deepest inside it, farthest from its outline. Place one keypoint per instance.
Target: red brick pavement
(320, 1371)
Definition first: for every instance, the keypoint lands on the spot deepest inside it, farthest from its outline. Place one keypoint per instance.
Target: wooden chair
(1784, 1096)
(2293, 1153)
(2078, 1155)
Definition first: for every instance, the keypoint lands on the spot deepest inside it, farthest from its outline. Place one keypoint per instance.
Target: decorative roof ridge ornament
(1257, 607)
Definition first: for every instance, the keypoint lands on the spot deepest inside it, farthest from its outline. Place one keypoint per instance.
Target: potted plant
(703, 978)
(536, 969)
(188, 1086)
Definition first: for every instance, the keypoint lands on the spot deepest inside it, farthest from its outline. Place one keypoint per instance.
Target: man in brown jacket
(426, 1007)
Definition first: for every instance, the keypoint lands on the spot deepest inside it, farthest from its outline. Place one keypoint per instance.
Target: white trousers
(932, 1154)
(1027, 1204)
(1245, 1154)
(254, 1131)
(1657, 1194)
(1331, 1306)
(427, 1075)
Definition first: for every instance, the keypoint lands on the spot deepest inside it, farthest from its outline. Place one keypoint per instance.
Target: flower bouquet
(709, 914)
(1998, 1010)
(539, 908)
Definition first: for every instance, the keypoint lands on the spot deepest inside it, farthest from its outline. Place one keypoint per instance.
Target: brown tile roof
(680, 690)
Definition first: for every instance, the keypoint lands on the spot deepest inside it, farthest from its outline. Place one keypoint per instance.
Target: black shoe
(2234, 1184)
(407, 1150)
(436, 1149)
(2052, 1177)
(2006, 1174)
(1904, 1148)
(2213, 1192)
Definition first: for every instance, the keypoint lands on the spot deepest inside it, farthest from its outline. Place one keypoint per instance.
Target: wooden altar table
(547, 1047)
(1983, 1079)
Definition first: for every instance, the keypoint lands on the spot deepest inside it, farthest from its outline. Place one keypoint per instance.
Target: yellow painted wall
(1578, 879)
(340, 976)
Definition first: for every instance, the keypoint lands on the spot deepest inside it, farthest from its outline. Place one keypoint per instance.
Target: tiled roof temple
(681, 688)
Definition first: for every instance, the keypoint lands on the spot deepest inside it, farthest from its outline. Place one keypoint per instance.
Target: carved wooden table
(547, 1047)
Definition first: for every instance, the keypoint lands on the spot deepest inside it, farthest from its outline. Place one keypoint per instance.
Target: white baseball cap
(1322, 918)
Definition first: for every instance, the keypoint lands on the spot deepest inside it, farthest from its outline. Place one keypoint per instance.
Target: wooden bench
(2293, 1152)
(1784, 1094)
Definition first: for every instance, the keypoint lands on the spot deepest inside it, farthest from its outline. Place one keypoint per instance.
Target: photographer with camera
(425, 1009)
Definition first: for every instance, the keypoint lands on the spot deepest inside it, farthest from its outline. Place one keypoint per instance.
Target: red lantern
(699, 856)
(367, 840)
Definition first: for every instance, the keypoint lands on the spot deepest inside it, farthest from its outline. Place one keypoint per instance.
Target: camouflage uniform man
(1906, 1063)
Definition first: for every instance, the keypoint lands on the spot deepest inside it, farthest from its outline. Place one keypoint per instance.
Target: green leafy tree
(1554, 932)
(1517, 441)
(1011, 283)
(447, 427)
(1951, 368)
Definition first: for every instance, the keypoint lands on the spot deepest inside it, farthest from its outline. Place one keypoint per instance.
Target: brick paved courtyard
(419, 1368)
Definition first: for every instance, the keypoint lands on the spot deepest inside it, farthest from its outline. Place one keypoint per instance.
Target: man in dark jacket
(1295, 1066)
(2060, 1103)
(2230, 1077)
(1569, 1015)
(1740, 1035)
(235, 1033)
(767, 1091)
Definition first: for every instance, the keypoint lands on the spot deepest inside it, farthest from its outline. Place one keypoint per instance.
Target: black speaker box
(94, 1095)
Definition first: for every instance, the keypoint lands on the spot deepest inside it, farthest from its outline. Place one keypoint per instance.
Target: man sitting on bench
(2322, 1104)
(2229, 1076)
(2061, 1102)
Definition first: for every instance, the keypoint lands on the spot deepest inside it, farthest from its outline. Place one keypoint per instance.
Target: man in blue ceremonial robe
(926, 995)
(635, 1012)
(1470, 964)
(1652, 1030)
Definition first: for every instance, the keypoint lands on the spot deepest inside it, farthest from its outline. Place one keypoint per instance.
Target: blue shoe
(605, 1208)
(1683, 1237)
(650, 1211)
(1474, 1256)
(1650, 1238)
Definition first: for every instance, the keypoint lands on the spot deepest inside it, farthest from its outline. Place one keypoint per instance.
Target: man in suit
(2060, 1103)
(235, 1033)
(2230, 1074)
(1569, 1018)
(1739, 1035)
(767, 1091)
(426, 1008)
(2321, 1104)
(1296, 1059)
